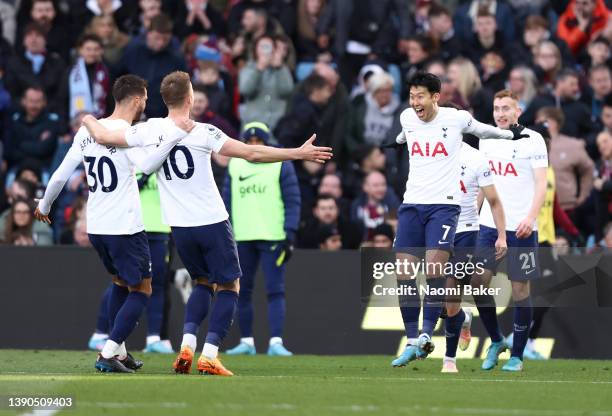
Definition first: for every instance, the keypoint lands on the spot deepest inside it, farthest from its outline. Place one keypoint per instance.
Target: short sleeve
(465, 120)
(139, 135)
(215, 138)
(539, 154)
(484, 176)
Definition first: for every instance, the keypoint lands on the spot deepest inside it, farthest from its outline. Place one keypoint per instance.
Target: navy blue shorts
(522, 257)
(429, 226)
(463, 254)
(208, 251)
(126, 256)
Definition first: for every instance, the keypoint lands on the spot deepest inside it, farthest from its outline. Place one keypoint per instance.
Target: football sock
(276, 313)
(410, 307)
(197, 308)
(276, 340)
(522, 321)
(103, 319)
(250, 341)
(116, 298)
(488, 315)
(220, 321)
(128, 315)
(121, 351)
(109, 349)
(152, 339)
(245, 313)
(453, 329)
(432, 304)
(190, 341)
(155, 310)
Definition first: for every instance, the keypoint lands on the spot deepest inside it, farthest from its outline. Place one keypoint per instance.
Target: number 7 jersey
(187, 189)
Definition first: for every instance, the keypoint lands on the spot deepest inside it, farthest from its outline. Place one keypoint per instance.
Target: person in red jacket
(581, 21)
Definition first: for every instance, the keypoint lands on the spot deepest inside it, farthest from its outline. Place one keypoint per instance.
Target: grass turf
(308, 385)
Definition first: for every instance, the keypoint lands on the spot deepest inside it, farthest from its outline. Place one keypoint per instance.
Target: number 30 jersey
(188, 192)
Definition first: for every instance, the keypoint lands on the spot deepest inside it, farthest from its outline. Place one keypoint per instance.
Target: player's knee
(118, 281)
(452, 307)
(520, 292)
(143, 287)
(233, 286)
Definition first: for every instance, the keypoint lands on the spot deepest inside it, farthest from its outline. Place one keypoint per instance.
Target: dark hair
(201, 88)
(436, 10)
(425, 79)
(161, 23)
(607, 101)
(35, 27)
(554, 113)
(128, 86)
(175, 88)
(313, 82)
(565, 73)
(543, 130)
(323, 197)
(11, 230)
(484, 12)
(601, 39)
(599, 67)
(34, 87)
(256, 42)
(89, 37)
(427, 43)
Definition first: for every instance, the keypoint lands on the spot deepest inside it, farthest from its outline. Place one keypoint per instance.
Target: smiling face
(505, 112)
(423, 102)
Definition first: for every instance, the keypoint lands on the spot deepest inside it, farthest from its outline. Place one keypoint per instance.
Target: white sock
(109, 349)
(190, 340)
(453, 359)
(276, 340)
(121, 351)
(151, 339)
(97, 335)
(210, 351)
(530, 344)
(412, 341)
(468, 317)
(250, 341)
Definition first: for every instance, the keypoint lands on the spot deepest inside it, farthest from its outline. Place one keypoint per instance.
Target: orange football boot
(182, 364)
(212, 367)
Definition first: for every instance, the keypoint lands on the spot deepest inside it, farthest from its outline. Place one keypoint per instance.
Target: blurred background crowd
(334, 67)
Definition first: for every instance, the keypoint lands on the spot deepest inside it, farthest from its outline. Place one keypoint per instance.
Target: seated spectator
(572, 165)
(522, 82)
(372, 114)
(547, 64)
(420, 50)
(140, 20)
(367, 158)
(153, 60)
(486, 38)
(17, 226)
(86, 86)
(30, 171)
(581, 21)
(383, 236)
(603, 184)
(198, 17)
(307, 47)
(494, 71)
(113, 40)
(45, 14)
(202, 112)
(598, 53)
(370, 207)
(32, 132)
(329, 238)
(265, 83)
(577, 114)
(121, 10)
(331, 184)
(35, 66)
(466, 14)
(442, 29)
(600, 86)
(18, 189)
(79, 236)
(470, 95)
(326, 212)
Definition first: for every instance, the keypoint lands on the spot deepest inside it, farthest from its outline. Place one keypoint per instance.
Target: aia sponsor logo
(428, 150)
(502, 168)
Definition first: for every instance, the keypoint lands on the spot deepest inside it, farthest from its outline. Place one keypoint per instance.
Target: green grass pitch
(308, 385)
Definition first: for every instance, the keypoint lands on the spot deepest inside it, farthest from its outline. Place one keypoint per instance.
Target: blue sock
(488, 315)
(522, 323)
(221, 316)
(453, 329)
(116, 299)
(432, 304)
(128, 315)
(276, 313)
(245, 313)
(155, 310)
(197, 308)
(103, 319)
(410, 307)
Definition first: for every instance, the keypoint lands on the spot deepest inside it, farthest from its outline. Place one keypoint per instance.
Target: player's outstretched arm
(56, 184)
(268, 154)
(497, 209)
(485, 132)
(103, 135)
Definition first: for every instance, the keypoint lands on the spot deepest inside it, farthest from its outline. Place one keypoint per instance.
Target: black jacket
(577, 115)
(36, 139)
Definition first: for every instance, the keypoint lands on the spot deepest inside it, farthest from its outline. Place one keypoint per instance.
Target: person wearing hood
(582, 21)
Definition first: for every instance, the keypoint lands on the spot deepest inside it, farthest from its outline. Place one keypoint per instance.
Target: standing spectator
(121, 10)
(420, 50)
(329, 238)
(153, 60)
(598, 52)
(17, 226)
(523, 83)
(202, 112)
(54, 23)
(470, 95)
(465, 17)
(113, 40)
(442, 29)
(305, 40)
(572, 165)
(86, 85)
(199, 17)
(280, 12)
(603, 184)
(32, 132)
(581, 21)
(263, 200)
(36, 66)
(138, 23)
(486, 38)
(564, 96)
(376, 200)
(600, 85)
(547, 64)
(265, 83)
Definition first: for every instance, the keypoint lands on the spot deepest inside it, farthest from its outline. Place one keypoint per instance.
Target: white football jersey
(512, 164)
(113, 204)
(475, 174)
(188, 193)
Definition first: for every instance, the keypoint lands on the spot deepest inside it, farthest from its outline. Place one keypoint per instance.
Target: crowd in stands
(337, 68)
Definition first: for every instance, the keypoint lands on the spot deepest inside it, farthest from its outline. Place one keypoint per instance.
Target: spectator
(442, 29)
(522, 82)
(266, 83)
(5, 105)
(603, 184)
(470, 95)
(202, 112)
(572, 165)
(8, 22)
(329, 238)
(376, 200)
(305, 40)
(581, 21)
(32, 132)
(17, 226)
(35, 67)
(547, 64)
(486, 38)
(373, 113)
(153, 60)
(45, 14)
(199, 17)
(383, 236)
(277, 12)
(120, 10)
(564, 96)
(466, 14)
(86, 85)
(600, 83)
(494, 71)
(598, 52)
(113, 40)
(139, 22)
(607, 236)
(331, 184)
(367, 158)
(325, 212)
(420, 50)
(18, 189)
